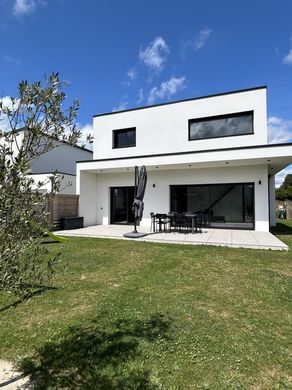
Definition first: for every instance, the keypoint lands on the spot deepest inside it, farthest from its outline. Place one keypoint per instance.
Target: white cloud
(155, 54)
(132, 74)
(279, 130)
(166, 89)
(4, 122)
(12, 60)
(185, 46)
(6, 101)
(197, 43)
(202, 38)
(140, 96)
(288, 58)
(86, 131)
(121, 106)
(26, 7)
(280, 177)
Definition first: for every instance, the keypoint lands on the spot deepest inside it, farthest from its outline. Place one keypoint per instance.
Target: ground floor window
(220, 205)
(121, 205)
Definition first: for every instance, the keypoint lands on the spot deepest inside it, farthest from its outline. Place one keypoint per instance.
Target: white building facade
(63, 160)
(207, 155)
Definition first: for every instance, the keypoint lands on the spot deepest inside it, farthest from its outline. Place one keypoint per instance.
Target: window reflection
(221, 126)
(219, 205)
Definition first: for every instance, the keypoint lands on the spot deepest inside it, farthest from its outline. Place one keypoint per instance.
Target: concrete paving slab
(198, 238)
(268, 240)
(244, 237)
(218, 237)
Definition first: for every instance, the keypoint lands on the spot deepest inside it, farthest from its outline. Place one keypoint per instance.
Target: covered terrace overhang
(275, 156)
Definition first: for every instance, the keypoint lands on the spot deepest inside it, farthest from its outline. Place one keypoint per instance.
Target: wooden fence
(59, 206)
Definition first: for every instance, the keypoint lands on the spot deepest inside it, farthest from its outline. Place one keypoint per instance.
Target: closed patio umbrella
(140, 186)
(138, 204)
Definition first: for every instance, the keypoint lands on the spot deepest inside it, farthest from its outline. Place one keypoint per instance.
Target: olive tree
(31, 124)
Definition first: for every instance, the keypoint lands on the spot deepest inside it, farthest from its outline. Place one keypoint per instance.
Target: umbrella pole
(136, 179)
(135, 233)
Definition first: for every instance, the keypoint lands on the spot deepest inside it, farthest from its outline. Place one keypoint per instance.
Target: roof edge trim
(187, 152)
(183, 100)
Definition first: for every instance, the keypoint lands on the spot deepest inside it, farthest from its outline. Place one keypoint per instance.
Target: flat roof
(183, 100)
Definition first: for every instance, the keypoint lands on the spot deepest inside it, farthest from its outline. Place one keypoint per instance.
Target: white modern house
(208, 154)
(62, 159)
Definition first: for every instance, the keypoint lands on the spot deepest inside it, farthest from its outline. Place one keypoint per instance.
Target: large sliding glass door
(121, 205)
(220, 205)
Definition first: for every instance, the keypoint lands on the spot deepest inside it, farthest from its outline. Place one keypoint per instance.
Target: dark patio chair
(180, 222)
(199, 222)
(205, 218)
(163, 222)
(154, 222)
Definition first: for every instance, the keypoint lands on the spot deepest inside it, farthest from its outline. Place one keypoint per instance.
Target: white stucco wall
(95, 190)
(87, 189)
(272, 192)
(66, 182)
(164, 129)
(63, 159)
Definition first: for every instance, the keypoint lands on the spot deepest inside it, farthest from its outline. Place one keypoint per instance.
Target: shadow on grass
(50, 242)
(38, 291)
(282, 228)
(94, 357)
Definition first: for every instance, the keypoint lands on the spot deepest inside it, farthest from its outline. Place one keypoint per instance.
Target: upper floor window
(124, 138)
(221, 126)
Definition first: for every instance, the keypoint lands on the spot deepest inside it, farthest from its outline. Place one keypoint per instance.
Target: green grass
(133, 315)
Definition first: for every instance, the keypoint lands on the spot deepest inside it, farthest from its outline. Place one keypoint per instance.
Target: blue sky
(123, 53)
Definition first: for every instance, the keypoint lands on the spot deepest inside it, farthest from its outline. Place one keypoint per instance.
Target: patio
(219, 237)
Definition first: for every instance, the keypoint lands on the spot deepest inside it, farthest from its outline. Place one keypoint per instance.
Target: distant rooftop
(62, 142)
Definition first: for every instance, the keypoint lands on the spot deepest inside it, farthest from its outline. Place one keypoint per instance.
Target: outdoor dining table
(194, 218)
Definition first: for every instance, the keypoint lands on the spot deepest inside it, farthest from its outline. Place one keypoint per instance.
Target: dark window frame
(253, 184)
(216, 117)
(129, 212)
(119, 131)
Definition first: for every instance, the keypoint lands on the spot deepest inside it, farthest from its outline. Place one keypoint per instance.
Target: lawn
(133, 315)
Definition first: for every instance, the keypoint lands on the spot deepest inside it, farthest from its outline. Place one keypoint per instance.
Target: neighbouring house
(208, 154)
(61, 159)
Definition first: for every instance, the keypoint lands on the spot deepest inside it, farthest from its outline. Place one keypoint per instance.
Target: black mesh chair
(199, 222)
(205, 217)
(180, 222)
(163, 222)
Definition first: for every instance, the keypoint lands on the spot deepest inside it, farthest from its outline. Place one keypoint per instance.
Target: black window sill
(124, 146)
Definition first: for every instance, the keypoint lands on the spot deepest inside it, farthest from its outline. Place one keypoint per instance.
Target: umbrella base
(135, 235)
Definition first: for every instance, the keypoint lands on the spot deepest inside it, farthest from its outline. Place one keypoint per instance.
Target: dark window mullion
(123, 138)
